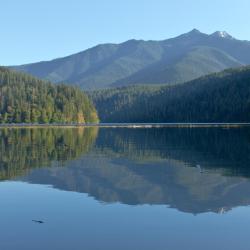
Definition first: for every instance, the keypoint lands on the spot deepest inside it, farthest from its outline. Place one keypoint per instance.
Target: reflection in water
(25, 149)
(216, 148)
(194, 170)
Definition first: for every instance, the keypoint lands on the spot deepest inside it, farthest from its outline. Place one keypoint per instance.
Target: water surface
(125, 188)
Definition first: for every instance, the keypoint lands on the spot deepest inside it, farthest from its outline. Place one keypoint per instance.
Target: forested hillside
(25, 99)
(219, 97)
(170, 61)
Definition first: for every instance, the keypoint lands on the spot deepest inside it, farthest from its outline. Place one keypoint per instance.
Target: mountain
(24, 98)
(170, 61)
(218, 97)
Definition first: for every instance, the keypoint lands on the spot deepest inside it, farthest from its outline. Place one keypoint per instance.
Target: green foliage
(219, 97)
(25, 99)
(125, 104)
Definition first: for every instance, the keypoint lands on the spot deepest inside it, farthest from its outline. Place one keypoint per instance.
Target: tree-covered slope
(193, 64)
(24, 98)
(175, 60)
(218, 97)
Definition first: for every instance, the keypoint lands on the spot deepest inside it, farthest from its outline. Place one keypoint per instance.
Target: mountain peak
(195, 31)
(221, 34)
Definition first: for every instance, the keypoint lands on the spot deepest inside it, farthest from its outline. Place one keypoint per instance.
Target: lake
(125, 188)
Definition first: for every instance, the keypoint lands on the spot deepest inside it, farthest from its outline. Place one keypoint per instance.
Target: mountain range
(170, 61)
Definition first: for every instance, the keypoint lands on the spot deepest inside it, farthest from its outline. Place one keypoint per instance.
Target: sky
(33, 31)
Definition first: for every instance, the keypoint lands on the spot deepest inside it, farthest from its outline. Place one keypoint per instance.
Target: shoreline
(128, 125)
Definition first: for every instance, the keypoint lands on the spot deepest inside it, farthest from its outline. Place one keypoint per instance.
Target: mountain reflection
(194, 170)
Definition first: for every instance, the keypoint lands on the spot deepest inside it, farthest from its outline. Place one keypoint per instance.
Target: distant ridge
(170, 61)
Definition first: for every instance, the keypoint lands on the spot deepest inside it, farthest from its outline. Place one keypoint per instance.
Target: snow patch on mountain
(222, 34)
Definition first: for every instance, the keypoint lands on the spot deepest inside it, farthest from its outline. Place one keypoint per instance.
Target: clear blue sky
(35, 30)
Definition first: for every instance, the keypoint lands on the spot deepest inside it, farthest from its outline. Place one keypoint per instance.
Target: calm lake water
(120, 188)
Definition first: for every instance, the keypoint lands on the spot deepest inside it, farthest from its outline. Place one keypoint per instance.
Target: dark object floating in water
(38, 221)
